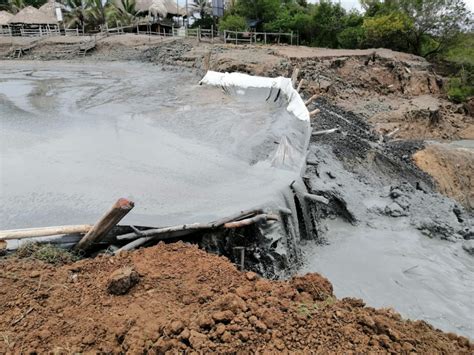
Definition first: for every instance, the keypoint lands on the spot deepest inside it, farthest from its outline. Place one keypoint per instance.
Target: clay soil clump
(188, 300)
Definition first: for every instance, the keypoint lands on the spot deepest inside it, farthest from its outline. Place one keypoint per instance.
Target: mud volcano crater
(75, 137)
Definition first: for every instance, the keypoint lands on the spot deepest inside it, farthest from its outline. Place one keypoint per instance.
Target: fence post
(225, 37)
(212, 33)
(265, 37)
(291, 41)
(236, 33)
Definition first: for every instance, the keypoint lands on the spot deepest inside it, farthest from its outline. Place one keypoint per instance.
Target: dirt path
(189, 300)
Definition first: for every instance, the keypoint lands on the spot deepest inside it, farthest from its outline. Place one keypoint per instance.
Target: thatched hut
(4, 18)
(31, 21)
(160, 15)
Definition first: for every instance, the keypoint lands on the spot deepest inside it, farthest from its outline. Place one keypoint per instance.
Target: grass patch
(47, 253)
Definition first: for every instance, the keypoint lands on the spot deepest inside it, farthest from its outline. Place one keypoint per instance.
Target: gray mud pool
(75, 137)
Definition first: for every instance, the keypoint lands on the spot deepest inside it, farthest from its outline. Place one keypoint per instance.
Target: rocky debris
(122, 280)
(468, 246)
(204, 305)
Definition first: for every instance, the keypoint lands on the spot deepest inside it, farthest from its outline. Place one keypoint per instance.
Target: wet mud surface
(386, 236)
(75, 137)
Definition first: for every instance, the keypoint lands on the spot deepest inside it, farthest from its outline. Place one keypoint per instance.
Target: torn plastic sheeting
(295, 103)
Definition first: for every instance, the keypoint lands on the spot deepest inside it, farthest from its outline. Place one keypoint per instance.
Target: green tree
(232, 23)
(263, 10)
(441, 19)
(389, 31)
(328, 23)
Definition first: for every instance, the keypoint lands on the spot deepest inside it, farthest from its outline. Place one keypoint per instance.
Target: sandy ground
(188, 300)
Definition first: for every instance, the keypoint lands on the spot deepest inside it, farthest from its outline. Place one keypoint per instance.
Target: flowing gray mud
(385, 235)
(75, 137)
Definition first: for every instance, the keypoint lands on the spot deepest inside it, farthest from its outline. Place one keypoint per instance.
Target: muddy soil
(189, 300)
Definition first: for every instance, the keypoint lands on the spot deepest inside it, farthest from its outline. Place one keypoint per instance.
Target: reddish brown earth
(186, 299)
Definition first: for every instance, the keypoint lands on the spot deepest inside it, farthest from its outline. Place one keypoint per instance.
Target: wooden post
(265, 37)
(225, 37)
(291, 41)
(105, 224)
(43, 232)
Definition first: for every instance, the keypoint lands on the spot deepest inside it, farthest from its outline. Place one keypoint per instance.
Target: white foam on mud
(295, 103)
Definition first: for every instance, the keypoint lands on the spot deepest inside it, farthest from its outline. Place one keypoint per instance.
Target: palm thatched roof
(160, 7)
(32, 16)
(5, 17)
(50, 7)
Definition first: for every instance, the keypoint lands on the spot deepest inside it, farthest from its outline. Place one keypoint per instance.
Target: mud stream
(75, 137)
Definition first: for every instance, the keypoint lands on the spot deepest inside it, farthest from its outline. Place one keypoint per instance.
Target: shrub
(233, 23)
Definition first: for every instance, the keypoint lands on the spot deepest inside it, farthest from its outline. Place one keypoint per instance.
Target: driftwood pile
(107, 234)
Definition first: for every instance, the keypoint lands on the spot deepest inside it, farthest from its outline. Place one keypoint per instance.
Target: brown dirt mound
(451, 168)
(189, 300)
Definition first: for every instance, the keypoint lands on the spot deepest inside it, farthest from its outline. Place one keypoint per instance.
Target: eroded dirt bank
(186, 299)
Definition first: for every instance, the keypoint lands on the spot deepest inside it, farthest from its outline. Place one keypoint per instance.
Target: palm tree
(75, 15)
(201, 6)
(125, 13)
(16, 5)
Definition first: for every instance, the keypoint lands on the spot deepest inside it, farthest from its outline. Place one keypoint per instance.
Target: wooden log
(314, 112)
(300, 85)
(314, 97)
(252, 220)
(236, 217)
(189, 227)
(157, 231)
(316, 198)
(142, 240)
(105, 223)
(44, 231)
(294, 76)
(326, 131)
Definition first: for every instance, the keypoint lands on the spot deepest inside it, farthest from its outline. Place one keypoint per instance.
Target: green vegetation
(233, 23)
(440, 30)
(47, 253)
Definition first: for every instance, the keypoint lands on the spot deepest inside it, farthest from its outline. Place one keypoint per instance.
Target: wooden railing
(237, 37)
(200, 34)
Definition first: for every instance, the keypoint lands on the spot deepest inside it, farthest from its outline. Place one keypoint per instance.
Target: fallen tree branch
(105, 223)
(44, 231)
(326, 131)
(314, 112)
(294, 76)
(316, 198)
(298, 89)
(314, 97)
(252, 220)
(190, 227)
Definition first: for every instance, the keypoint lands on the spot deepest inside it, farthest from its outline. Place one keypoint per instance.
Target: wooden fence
(200, 34)
(260, 37)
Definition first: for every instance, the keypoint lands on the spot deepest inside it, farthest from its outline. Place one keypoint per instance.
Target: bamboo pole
(105, 223)
(44, 232)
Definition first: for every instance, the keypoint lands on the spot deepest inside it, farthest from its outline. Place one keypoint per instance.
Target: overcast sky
(351, 4)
